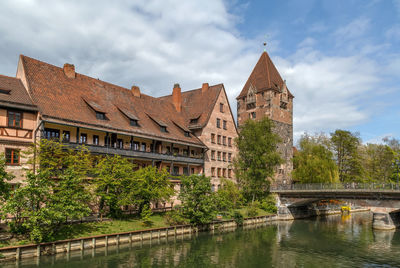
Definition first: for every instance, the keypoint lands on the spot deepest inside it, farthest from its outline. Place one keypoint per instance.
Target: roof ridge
(219, 84)
(87, 76)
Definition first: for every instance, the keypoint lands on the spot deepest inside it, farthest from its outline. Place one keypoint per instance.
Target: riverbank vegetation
(70, 185)
(342, 157)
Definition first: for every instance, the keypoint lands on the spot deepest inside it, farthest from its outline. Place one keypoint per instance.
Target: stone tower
(265, 94)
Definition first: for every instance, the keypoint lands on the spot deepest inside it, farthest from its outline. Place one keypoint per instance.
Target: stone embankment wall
(99, 241)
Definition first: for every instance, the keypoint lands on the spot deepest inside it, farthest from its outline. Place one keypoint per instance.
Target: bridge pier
(386, 220)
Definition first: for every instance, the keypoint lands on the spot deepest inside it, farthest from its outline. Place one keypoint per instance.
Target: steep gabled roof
(14, 94)
(74, 99)
(198, 105)
(264, 76)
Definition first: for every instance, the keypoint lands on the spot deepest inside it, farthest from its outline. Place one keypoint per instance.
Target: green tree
(346, 147)
(378, 162)
(113, 173)
(5, 178)
(314, 163)
(54, 193)
(198, 201)
(228, 196)
(147, 185)
(257, 157)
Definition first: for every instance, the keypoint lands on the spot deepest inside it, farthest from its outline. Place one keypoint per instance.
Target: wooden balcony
(141, 154)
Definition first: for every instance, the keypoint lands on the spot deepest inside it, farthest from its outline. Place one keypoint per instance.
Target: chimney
(204, 88)
(135, 91)
(177, 97)
(69, 70)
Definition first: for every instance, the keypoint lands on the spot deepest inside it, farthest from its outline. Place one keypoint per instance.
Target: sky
(340, 59)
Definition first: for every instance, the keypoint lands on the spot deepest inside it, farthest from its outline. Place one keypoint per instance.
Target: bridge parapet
(352, 186)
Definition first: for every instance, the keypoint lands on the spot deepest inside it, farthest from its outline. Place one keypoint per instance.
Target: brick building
(187, 133)
(265, 94)
(209, 117)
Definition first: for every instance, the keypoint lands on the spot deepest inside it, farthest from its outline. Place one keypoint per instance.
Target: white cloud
(153, 44)
(353, 30)
(328, 90)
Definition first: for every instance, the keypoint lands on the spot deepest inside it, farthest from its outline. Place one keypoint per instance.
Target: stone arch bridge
(294, 201)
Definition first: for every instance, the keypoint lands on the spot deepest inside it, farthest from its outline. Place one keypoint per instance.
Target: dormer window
(134, 123)
(163, 129)
(100, 116)
(194, 121)
(187, 134)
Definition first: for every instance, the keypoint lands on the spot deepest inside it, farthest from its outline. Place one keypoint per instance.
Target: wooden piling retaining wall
(98, 241)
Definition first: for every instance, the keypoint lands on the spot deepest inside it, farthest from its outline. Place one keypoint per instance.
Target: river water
(332, 241)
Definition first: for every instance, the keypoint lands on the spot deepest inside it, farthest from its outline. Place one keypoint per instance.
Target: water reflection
(331, 241)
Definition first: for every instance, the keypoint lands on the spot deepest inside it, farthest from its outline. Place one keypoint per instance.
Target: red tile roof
(14, 94)
(75, 99)
(263, 77)
(198, 105)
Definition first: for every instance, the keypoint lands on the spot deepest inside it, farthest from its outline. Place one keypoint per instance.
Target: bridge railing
(336, 186)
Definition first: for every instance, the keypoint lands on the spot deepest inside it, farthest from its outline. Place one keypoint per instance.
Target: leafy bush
(145, 215)
(238, 217)
(269, 205)
(175, 217)
(252, 211)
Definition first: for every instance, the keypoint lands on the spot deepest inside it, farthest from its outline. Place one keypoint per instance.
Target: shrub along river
(331, 241)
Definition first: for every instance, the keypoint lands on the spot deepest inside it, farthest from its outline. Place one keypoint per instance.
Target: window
(224, 156)
(224, 123)
(212, 155)
(219, 139)
(253, 115)
(213, 171)
(224, 172)
(185, 171)
(230, 142)
(175, 150)
(224, 140)
(187, 134)
(185, 152)
(12, 156)
(14, 119)
(175, 171)
(136, 146)
(143, 148)
(219, 172)
(96, 140)
(192, 152)
(163, 129)
(221, 107)
(50, 133)
(212, 188)
(229, 157)
(192, 170)
(120, 143)
(212, 138)
(219, 156)
(193, 121)
(83, 138)
(101, 116)
(134, 123)
(229, 173)
(218, 123)
(66, 136)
